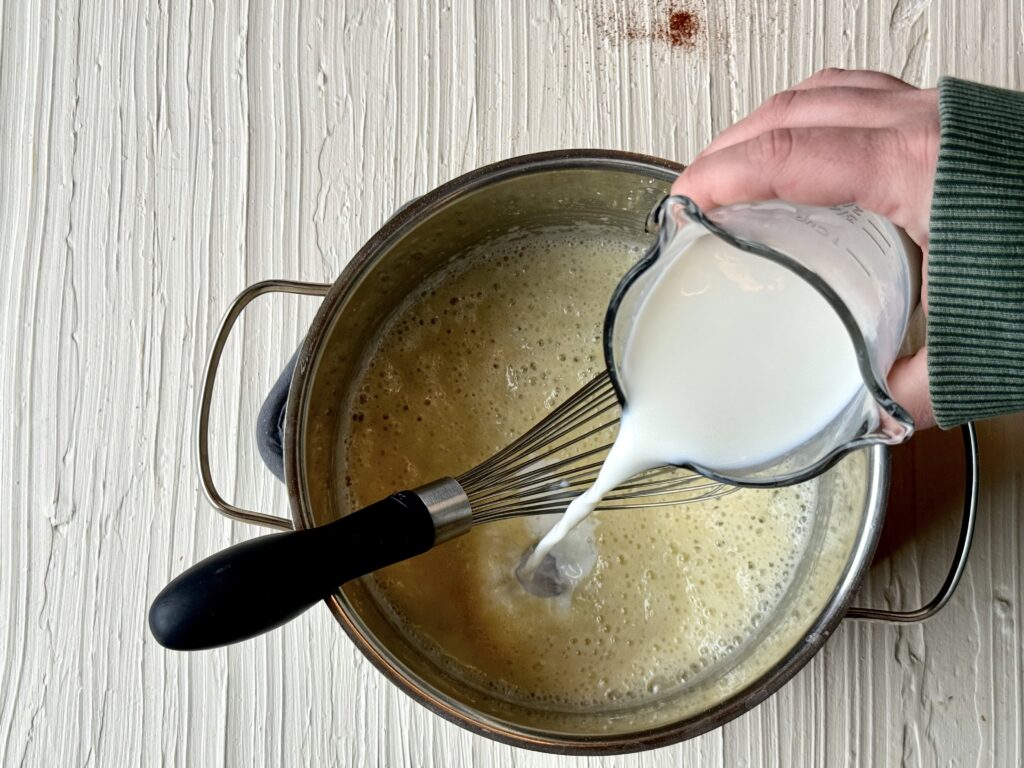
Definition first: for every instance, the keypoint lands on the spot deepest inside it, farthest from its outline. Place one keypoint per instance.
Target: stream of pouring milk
(732, 361)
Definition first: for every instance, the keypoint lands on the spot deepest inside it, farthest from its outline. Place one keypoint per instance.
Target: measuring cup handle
(963, 545)
(206, 392)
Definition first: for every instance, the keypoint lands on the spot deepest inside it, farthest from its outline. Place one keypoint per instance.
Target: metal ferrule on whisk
(448, 506)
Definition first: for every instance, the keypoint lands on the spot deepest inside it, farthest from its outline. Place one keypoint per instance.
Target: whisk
(260, 584)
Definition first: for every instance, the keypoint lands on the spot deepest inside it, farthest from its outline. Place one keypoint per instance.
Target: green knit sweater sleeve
(976, 255)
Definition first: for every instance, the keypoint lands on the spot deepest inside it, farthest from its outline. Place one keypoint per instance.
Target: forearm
(976, 255)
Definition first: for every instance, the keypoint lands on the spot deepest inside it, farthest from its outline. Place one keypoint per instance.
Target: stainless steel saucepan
(613, 191)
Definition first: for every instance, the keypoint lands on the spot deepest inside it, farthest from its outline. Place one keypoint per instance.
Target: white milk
(732, 362)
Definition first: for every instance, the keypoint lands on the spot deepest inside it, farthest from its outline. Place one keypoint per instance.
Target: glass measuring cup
(860, 263)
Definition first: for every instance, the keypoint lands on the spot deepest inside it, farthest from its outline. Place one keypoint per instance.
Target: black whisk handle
(258, 585)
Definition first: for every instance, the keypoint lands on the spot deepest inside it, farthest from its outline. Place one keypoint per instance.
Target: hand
(838, 137)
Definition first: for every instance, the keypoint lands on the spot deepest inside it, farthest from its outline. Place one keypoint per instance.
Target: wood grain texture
(158, 157)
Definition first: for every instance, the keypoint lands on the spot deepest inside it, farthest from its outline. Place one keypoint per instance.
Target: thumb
(908, 383)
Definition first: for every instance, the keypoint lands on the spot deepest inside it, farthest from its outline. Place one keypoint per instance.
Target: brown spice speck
(683, 27)
(676, 24)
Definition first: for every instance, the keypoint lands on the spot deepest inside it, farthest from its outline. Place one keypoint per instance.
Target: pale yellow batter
(465, 367)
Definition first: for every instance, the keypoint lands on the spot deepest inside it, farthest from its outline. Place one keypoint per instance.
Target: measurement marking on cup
(859, 262)
(881, 234)
(875, 239)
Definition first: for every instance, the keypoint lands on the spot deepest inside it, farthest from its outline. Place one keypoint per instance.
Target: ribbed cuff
(976, 255)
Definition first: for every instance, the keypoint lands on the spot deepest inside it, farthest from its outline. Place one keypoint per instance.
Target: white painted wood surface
(157, 157)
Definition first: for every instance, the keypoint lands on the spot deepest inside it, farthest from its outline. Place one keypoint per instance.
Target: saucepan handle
(963, 545)
(206, 392)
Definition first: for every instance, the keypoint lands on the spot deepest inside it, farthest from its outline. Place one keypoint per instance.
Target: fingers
(908, 384)
(813, 166)
(827, 106)
(853, 78)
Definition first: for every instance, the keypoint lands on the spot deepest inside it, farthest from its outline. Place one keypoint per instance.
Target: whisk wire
(587, 403)
(555, 460)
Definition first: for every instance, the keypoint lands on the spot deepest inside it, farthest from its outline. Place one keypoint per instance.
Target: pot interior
(597, 197)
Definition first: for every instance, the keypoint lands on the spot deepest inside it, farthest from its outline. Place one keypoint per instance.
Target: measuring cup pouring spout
(863, 266)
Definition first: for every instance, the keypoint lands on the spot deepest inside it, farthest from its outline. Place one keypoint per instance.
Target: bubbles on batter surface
(469, 364)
